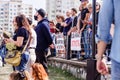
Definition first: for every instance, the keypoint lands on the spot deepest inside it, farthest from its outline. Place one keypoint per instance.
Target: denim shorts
(115, 70)
(23, 63)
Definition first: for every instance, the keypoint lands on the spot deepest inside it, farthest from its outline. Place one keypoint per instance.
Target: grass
(58, 74)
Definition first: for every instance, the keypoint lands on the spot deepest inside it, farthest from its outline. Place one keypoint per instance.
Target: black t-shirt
(58, 26)
(83, 15)
(74, 21)
(21, 32)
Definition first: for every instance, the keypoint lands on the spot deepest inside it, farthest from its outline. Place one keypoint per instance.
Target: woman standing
(20, 38)
(31, 47)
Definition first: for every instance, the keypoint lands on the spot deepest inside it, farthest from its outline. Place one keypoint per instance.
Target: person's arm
(101, 49)
(47, 34)
(78, 24)
(68, 23)
(103, 32)
(85, 21)
(20, 37)
(101, 65)
(74, 28)
(18, 42)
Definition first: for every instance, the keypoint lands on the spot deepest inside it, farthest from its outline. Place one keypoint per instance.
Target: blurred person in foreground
(109, 11)
(19, 75)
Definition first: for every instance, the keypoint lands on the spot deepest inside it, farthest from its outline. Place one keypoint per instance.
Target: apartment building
(10, 9)
(56, 7)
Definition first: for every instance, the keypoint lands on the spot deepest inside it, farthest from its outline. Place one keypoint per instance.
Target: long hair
(22, 21)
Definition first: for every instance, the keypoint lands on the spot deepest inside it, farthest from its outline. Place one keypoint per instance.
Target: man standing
(67, 23)
(83, 13)
(44, 39)
(109, 11)
(74, 21)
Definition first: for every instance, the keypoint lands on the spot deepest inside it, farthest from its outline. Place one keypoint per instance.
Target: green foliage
(58, 74)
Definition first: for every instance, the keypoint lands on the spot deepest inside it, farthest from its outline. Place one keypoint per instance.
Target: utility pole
(92, 73)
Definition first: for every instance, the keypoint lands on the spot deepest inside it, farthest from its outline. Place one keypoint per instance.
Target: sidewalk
(5, 71)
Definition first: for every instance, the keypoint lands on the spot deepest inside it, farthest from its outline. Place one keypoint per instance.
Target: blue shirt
(110, 10)
(68, 21)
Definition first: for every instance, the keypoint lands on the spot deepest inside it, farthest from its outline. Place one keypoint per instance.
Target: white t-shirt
(33, 42)
(1, 61)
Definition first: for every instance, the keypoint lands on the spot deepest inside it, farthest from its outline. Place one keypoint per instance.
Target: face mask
(35, 17)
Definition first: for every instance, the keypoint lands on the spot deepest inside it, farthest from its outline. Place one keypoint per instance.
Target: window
(53, 11)
(14, 5)
(53, 15)
(1, 9)
(19, 5)
(30, 8)
(1, 13)
(59, 10)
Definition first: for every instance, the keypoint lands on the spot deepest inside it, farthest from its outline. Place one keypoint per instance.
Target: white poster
(60, 42)
(75, 41)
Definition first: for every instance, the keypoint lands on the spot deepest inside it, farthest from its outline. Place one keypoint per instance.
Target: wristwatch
(98, 57)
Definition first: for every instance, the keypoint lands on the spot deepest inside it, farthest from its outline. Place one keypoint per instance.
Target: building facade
(10, 9)
(59, 7)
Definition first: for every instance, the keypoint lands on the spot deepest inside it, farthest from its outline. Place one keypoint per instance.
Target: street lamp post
(92, 73)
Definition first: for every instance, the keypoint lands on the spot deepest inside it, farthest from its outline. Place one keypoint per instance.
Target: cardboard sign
(60, 45)
(75, 41)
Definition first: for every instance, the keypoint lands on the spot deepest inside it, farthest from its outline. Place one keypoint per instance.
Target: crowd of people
(80, 22)
(36, 40)
(41, 37)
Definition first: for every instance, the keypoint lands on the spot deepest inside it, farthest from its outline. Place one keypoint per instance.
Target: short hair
(52, 22)
(74, 9)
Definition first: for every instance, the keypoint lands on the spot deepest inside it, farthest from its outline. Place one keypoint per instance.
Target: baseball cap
(83, 0)
(41, 12)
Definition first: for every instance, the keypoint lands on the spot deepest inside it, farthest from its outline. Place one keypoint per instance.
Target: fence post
(92, 73)
(68, 45)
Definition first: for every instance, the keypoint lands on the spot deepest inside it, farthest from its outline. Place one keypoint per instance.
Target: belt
(31, 48)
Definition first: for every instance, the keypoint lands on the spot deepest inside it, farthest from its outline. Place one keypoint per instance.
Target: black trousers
(42, 59)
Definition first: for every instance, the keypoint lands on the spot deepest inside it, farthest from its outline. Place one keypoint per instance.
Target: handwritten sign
(75, 41)
(60, 45)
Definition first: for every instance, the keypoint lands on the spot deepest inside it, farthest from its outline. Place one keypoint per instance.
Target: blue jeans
(23, 63)
(115, 70)
(86, 42)
(3, 52)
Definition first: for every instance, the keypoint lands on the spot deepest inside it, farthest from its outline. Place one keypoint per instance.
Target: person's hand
(62, 24)
(78, 31)
(102, 67)
(69, 32)
(52, 46)
(90, 23)
(8, 40)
